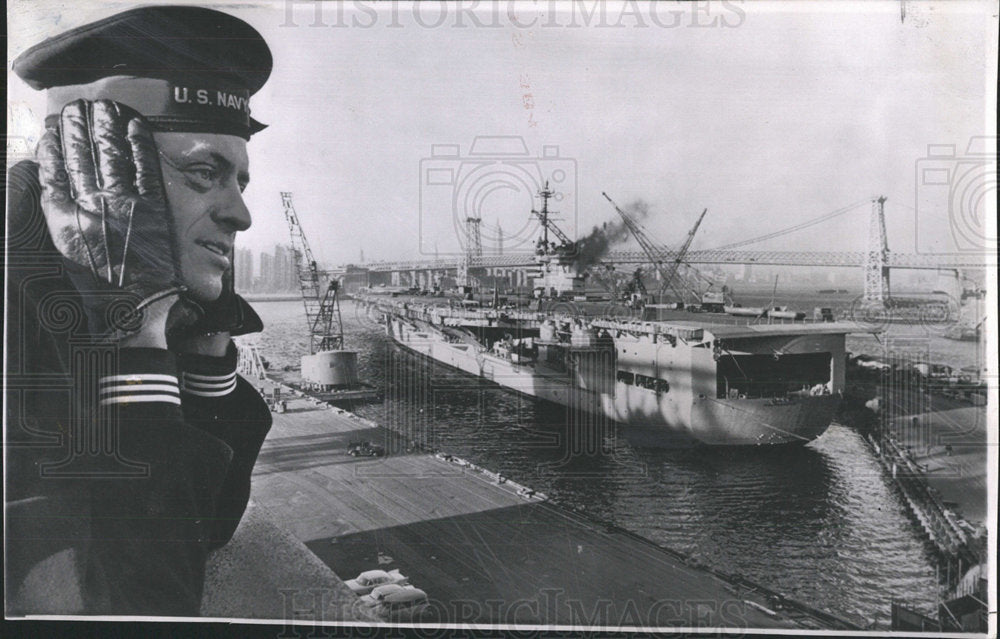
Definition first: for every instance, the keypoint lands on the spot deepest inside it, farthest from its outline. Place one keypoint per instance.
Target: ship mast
(545, 194)
(544, 217)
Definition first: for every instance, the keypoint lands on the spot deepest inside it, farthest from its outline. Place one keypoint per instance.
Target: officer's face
(204, 175)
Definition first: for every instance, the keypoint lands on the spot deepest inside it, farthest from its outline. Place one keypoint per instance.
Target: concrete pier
(484, 549)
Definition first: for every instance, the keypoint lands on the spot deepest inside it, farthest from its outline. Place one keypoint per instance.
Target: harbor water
(818, 523)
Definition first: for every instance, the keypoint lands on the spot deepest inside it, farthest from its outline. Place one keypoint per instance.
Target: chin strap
(125, 319)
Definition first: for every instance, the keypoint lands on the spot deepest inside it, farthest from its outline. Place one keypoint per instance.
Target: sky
(766, 114)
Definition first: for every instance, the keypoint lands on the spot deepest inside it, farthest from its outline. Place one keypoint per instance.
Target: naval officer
(129, 454)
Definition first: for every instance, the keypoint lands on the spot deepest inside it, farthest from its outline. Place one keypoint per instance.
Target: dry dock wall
(933, 448)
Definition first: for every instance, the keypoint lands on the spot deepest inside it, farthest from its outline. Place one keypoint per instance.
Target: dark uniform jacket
(124, 467)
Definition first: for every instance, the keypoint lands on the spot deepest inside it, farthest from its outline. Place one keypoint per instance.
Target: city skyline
(262, 271)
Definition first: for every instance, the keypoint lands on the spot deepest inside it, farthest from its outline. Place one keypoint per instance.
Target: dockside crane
(326, 329)
(664, 263)
(676, 263)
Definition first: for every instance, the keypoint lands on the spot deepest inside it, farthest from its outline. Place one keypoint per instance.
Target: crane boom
(679, 257)
(656, 254)
(326, 330)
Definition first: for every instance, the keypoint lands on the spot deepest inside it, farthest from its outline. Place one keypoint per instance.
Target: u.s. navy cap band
(184, 68)
(211, 106)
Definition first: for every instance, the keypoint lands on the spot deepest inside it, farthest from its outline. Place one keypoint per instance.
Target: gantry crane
(666, 262)
(326, 330)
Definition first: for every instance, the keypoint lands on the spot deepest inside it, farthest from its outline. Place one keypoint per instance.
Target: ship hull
(755, 423)
(681, 415)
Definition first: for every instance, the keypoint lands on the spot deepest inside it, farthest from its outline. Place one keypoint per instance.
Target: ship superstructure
(556, 254)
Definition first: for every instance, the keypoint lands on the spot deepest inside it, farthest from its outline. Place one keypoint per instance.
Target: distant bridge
(876, 261)
(775, 258)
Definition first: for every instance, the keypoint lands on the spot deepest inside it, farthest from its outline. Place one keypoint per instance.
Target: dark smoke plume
(592, 248)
